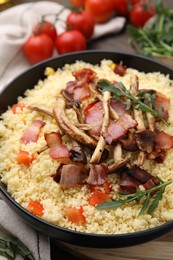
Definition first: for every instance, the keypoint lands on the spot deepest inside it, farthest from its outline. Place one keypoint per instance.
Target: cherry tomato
(101, 10)
(122, 6)
(38, 48)
(141, 13)
(82, 21)
(77, 3)
(70, 41)
(46, 28)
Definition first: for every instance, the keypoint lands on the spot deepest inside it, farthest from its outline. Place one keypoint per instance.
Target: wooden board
(161, 249)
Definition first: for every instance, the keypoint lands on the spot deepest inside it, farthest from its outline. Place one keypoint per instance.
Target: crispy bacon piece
(151, 183)
(139, 174)
(119, 128)
(164, 141)
(58, 150)
(84, 75)
(145, 140)
(97, 174)
(162, 104)
(119, 108)
(72, 175)
(94, 117)
(157, 156)
(78, 89)
(31, 133)
(128, 184)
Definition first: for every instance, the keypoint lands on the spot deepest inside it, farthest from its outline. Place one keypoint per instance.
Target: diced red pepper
(98, 197)
(75, 215)
(18, 108)
(36, 208)
(25, 158)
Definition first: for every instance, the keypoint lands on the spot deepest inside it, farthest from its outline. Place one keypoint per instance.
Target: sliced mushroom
(42, 109)
(138, 114)
(42, 149)
(101, 143)
(67, 127)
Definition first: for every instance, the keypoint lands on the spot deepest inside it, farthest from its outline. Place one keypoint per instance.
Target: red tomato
(141, 13)
(24, 158)
(82, 21)
(70, 41)
(97, 197)
(122, 6)
(77, 3)
(75, 215)
(36, 208)
(38, 48)
(101, 10)
(47, 28)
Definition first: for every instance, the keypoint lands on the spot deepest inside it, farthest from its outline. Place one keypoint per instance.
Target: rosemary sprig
(105, 85)
(149, 204)
(10, 246)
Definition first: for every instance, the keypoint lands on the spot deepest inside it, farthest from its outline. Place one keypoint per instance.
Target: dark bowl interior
(26, 81)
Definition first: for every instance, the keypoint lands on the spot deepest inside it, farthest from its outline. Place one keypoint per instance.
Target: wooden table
(161, 249)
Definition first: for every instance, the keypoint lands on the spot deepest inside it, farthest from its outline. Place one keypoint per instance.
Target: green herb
(120, 92)
(149, 204)
(156, 38)
(10, 246)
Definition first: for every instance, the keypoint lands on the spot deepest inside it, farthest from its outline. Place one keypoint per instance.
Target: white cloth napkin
(16, 25)
(37, 243)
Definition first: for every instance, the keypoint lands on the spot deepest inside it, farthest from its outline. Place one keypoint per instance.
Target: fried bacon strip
(72, 175)
(94, 118)
(31, 133)
(58, 150)
(119, 128)
(67, 127)
(97, 174)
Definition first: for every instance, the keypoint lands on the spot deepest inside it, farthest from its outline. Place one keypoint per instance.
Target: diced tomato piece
(98, 197)
(75, 215)
(24, 158)
(36, 208)
(18, 108)
(105, 186)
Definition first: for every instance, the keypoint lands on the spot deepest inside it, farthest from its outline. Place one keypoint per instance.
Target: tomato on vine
(101, 10)
(77, 3)
(122, 7)
(141, 13)
(45, 27)
(38, 48)
(70, 41)
(82, 21)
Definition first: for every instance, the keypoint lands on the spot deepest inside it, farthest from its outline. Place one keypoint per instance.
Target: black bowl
(27, 80)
